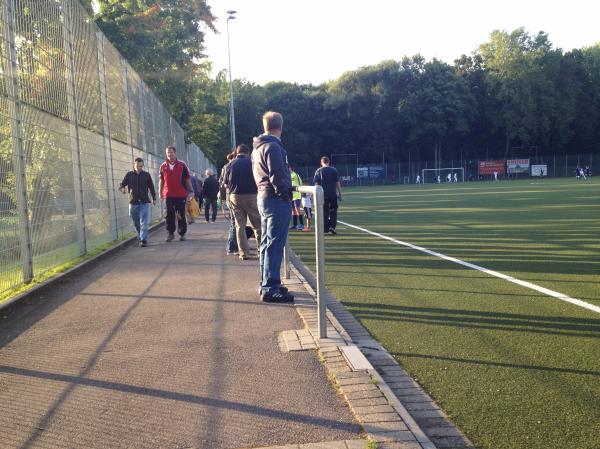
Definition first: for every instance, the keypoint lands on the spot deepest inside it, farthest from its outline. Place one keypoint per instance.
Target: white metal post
(318, 197)
(13, 90)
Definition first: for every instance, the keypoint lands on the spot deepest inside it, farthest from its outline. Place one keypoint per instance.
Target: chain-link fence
(73, 116)
(355, 173)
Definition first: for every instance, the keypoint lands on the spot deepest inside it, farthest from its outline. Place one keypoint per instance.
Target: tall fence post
(18, 158)
(110, 173)
(73, 124)
(127, 106)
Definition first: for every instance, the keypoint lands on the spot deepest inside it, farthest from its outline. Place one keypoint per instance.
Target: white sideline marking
(497, 274)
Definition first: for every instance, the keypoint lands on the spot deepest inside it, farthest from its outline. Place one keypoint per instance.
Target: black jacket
(210, 188)
(238, 177)
(270, 167)
(138, 186)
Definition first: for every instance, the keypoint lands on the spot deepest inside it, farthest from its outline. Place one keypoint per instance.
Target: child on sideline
(307, 205)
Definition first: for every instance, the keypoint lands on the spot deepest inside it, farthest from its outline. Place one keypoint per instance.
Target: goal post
(446, 175)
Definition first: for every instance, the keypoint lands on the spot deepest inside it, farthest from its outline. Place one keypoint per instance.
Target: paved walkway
(162, 347)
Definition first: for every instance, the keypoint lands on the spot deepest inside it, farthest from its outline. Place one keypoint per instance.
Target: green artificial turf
(512, 367)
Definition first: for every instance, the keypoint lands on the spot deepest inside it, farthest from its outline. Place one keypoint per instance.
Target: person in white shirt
(307, 205)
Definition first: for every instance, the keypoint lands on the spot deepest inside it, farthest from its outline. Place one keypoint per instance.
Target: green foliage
(163, 41)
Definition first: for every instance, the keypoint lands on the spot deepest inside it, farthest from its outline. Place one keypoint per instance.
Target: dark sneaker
(277, 297)
(332, 231)
(283, 289)
(232, 253)
(182, 238)
(170, 237)
(144, 243)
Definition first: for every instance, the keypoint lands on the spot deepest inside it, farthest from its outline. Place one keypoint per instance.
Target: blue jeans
(275, 219)
(231, 240)
(140, 215)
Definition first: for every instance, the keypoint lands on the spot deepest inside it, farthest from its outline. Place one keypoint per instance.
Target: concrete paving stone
(356, 444)
(380, 417)
(359, 387)
(309, 346)
(352, 374)
(450, 442)
(380, 362)
(425, 423)
(294, 346)
(330, 349)
(399, 445)
(384, 426)
(303, 333)
(369, 402)
(370, 409)
(333, 357)
(364, 379)
(411, 398)
(400, 382)
(325, 445)
(342, 368)
(397, 435)
(421, 406)
(308, 339)
(443, 431)
(337, 365)
(289, 446)
(391, 370)
(427, 414)
(402, 389)
(364, 394)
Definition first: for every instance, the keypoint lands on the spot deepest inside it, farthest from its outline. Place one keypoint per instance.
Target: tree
(438, 107)
(163, 42)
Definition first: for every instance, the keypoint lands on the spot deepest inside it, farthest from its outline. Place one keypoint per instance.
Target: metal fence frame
(406, 172)
(73, 116)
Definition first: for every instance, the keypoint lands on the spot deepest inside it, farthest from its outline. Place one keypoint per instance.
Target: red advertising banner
(491, 166)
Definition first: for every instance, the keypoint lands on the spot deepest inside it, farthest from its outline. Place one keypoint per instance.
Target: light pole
(230, 16)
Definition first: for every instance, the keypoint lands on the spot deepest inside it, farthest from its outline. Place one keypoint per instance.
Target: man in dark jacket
(138, 182)
(327, 177)
(210, 192)
(272, 177)
(240, 184)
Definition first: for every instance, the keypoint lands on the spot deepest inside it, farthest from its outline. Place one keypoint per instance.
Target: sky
(314, 41)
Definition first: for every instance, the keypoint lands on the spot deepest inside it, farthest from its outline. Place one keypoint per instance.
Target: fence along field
(73, 116)
(513, 367)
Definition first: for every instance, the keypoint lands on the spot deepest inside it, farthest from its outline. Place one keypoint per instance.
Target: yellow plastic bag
(193, 208)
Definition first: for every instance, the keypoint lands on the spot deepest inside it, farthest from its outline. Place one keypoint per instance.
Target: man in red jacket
(175, 189)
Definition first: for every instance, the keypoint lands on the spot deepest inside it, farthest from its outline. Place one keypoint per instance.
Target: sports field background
(512, 367)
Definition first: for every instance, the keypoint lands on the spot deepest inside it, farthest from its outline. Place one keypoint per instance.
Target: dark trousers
(330, 207)
(176, 212)
(208, 203)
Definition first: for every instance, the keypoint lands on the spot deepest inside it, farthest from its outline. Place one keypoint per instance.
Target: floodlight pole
(230, 16)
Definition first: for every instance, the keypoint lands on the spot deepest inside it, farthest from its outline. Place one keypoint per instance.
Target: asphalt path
(161, 347)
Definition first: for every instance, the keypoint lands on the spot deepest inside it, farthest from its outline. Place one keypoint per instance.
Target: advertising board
(514, 166)
(488, 167)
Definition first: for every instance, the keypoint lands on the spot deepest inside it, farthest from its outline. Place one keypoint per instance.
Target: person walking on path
(138, 183)
(270, 170)
(210, 192)
(297, 222)
(240, 184)
(231, 246)
(327, 177)
(175, 189)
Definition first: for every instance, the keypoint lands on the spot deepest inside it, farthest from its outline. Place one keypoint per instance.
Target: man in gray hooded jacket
(272, 177)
